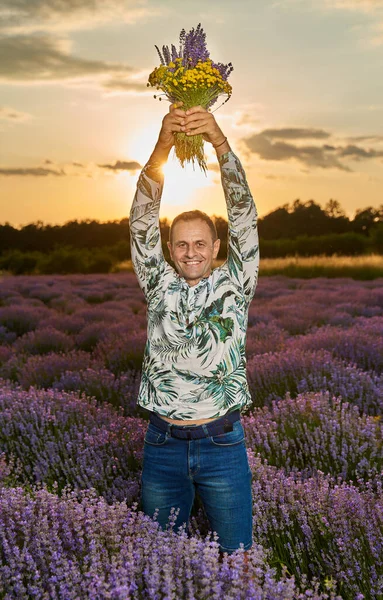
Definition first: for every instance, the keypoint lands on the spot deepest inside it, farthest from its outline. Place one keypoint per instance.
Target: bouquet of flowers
(188, 75)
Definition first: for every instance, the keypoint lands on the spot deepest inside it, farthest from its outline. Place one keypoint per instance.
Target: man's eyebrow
(185, 242)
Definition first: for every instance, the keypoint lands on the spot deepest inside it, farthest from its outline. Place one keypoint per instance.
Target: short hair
(194, 215)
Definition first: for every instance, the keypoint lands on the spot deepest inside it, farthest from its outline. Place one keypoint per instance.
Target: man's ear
(216, 247)
(170, 249)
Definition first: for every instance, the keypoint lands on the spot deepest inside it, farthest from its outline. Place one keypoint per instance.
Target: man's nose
(190, 251)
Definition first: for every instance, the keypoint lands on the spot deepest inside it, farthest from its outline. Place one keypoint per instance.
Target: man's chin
(193, 274)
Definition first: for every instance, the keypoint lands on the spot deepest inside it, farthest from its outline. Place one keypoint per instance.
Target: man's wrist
(158, 157)
(222, 148)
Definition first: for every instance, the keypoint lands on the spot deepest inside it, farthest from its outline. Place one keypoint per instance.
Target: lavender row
(65, 548)
(272, 375)
(360, 344)
(317, 529)
(315, 432)
(61, 331)
(63, 439)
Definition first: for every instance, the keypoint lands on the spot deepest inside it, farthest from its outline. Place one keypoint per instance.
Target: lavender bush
(60, 438)
(361, 344)
(321, 528)
(104, 386)
(314, 432)
(43, 341)
(43, 371)
(272, 375)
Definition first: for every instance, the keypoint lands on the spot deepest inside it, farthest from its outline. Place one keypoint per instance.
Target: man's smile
(192, 262)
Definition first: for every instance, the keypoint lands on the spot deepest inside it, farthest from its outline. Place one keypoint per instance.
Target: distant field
(362, 267)
(358, 267)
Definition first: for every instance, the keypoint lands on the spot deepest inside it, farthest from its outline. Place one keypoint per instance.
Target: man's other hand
(172, 123)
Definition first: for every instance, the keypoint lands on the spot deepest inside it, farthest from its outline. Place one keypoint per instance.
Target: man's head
(193, 245)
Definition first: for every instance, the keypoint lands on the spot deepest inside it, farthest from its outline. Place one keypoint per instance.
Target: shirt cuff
(153, 171)
(224, 158)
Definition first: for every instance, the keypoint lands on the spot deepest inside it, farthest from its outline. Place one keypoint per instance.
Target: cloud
(120, 83)
(366, 138)
(325, 156)
(121, 165)
(13, 115)
(27, 16)
(292, 133)
(69, 170)
(34, 172)
(358, 153)
(44, 58)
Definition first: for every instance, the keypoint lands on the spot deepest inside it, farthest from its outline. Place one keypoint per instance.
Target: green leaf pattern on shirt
(195, 364)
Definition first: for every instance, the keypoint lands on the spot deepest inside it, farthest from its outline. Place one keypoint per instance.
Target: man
(194, 371)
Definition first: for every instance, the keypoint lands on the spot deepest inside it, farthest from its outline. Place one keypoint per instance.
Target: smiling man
(194, 371)
(193, 245)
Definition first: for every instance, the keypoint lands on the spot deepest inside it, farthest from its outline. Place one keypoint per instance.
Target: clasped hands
(194, 121)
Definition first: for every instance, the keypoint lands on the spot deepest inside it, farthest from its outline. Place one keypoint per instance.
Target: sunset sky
(77, 121)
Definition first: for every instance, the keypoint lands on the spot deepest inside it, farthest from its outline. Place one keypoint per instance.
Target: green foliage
(345, 244)
(20, 263)
(62, 261)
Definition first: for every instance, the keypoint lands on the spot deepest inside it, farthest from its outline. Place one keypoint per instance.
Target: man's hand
(171, 124)
(194, 121)
(198, 120)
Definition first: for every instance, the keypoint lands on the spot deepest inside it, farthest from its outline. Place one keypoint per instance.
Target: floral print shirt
(194, 363)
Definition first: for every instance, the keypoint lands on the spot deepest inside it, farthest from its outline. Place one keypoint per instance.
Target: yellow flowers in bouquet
(189, 75)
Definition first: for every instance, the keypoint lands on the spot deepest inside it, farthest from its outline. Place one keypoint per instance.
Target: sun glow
(182, 184)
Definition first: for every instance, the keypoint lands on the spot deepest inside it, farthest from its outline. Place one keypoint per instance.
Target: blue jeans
(217, 467)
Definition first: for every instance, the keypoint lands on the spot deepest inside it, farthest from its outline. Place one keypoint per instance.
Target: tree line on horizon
(302, 228)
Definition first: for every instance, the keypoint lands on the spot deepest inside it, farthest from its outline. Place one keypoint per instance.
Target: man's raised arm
(146, 249)
(243, 245)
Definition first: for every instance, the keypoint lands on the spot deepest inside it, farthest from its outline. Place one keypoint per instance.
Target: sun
(182, 184)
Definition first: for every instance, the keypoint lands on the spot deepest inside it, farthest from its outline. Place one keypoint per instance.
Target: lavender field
(71, 442)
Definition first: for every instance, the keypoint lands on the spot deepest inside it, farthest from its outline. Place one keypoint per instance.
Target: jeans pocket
(155, 436)
(231, 438)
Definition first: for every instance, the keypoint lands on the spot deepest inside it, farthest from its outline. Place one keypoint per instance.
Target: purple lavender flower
(60, 439)
(314, 432)
(78, 546)
(194, 47)
(224, 70)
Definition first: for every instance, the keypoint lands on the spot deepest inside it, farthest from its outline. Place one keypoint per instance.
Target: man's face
(192, 250)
